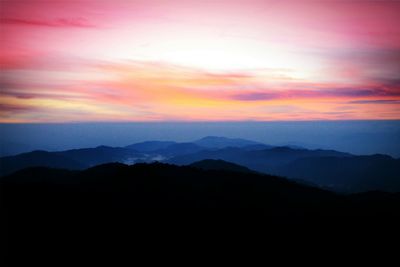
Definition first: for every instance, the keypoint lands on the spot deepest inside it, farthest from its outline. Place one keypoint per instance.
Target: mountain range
(47, 211)
(207, 184)
(329, 169)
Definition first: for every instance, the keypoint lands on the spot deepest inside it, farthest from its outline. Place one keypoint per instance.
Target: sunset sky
(193, 60)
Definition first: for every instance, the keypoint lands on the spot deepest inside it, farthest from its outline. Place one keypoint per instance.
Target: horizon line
(199, 121)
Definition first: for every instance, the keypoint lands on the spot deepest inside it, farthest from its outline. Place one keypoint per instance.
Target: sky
(193, 60)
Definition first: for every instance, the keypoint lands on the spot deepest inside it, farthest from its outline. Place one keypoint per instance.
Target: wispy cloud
(59, 22)
(376, 101)
(344, 93)
(134, 90)
(12, 108)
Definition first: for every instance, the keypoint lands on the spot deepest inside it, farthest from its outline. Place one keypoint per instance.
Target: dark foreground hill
(163, 186)
(54, 211)
(205, 184)
(220, 165)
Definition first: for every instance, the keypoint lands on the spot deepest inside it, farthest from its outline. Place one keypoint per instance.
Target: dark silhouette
(349, 174)
(220, 165)
(328, 169)
(37, 158)
(51, 212)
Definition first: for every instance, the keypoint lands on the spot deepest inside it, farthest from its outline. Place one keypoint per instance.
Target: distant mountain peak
(221, 138)
(148, 146)
(221, 142)
(209, 137)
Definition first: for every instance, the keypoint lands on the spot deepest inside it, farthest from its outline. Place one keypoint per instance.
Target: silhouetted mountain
(326, 168)
(48, 211)
(256, 147)
(149, 146)
(141, 152)
(37, 158)
(178, 149)
(219, 165)
(13, 148)
(167, 186)
(221, 142)
(300, 145)
(211, 142)
(70, 159)
(163, 186)
(351, 174)
(266, 160)
(101, 154)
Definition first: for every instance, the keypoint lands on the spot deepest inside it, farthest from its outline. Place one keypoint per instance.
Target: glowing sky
(193, 60)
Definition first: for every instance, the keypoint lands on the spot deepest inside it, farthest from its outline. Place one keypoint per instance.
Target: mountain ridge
(338, 171)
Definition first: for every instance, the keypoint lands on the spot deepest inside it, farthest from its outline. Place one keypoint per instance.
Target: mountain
(208, 142)
(101, 154)
(178, 149)
(329, 169)
(70, 159)
(149, 146)
(13, 148)
(166, 186)
(220, 165)
(116, 186)
(265, 160)
(140, 152)
(11, 164)
(348, 174)
(326, 168)
(104, 208)
(221, 142)
(256, 147)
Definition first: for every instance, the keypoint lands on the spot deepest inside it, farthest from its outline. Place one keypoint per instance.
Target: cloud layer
(193, 61)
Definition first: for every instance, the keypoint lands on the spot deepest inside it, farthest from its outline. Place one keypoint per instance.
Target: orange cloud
(139, 91)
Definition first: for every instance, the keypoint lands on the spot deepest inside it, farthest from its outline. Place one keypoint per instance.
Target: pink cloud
(343, 93)
(57, 62)
(60, 22)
